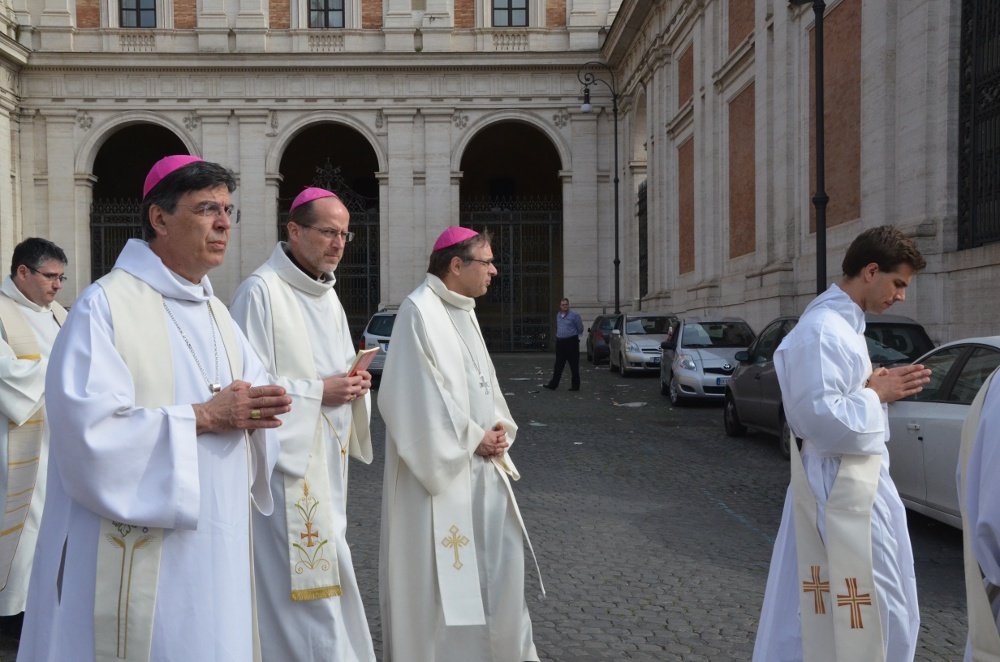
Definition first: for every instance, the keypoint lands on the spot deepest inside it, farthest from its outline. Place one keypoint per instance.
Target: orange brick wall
(685, 76)
(185, 14)
(555, 13)
(280, 14)
(685, 203)
(88, 13)
(742, 175)
(740, 21)
(371, 14)
(842, 113)
(465, 13)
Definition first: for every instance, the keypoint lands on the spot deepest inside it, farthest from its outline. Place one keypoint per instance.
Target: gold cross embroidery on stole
(455, 541)
(817, 588)
(854, 601)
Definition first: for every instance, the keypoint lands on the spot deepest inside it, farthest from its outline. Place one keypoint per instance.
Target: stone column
(213, 26)
(10, 228)
(399, 25)
(385, 298)
(83, 196)
(588, 242)
(251, 25)
(58, 214)
(437, 166)
(257, 232)
(403, 234)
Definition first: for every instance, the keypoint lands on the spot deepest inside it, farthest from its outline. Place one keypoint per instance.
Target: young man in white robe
(451, 562)
(144, 552)
(30, 318)
(841, 584)
(308, 599)
(979, 499)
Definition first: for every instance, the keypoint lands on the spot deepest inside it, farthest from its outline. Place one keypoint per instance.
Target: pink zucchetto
(164, 167)
(453, 235)
(309, 194)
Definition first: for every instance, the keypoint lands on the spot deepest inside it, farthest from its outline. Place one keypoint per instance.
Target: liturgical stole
(838, 604)
(984, 639)
(24, 442)
(128, 555)
(312, 554)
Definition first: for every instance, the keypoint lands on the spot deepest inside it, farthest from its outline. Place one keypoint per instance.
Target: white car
(699, 357)
(377, 333)
(925, 430)
(635, 340)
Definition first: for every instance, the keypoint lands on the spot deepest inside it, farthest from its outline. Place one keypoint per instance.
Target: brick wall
(88, 13)
(555, 13)
(842, 113)
(185, 14)
(742, 174)
(740, 21)
(685, 76)
(465, 13)
(685, 203)
(371, 14)
(279, 14)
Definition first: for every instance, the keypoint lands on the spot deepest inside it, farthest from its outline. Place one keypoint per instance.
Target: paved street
(653, 529)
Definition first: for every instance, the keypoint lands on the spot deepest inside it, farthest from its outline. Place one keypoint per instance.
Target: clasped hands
(494, 442)
(893, 384)
(241, 406)
(342, 389)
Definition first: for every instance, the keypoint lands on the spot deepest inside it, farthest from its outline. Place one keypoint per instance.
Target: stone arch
(86, 154)
(475, 128)
(272, 161)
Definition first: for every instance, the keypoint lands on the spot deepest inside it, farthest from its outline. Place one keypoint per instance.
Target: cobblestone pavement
(653, 529)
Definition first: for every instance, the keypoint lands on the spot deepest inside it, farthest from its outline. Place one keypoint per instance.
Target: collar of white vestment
(837, 300)
(290, 272)
(449, 296)
(838, 603)
(10, 289)
(138, 259)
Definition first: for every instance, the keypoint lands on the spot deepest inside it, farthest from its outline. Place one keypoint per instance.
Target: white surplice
(332, 628)
(982, 498)
(147, 466)
(435, 418)
(22, 385)
(822, 366)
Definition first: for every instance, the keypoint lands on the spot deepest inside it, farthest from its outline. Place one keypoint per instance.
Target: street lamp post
(819, 198)
(587, 77)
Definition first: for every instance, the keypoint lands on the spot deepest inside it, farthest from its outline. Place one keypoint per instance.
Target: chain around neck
(213, 386)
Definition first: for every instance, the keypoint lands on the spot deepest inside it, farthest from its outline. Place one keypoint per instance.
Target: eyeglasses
(213, 210)
(329, 233)
(485, 263)
(48, 276)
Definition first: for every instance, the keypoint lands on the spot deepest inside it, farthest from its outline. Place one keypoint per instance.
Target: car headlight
(686, 361)
(633, 347)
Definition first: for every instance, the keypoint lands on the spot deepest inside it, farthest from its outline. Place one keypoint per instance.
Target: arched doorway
(120, 169)
(510, 186)
(339, 159)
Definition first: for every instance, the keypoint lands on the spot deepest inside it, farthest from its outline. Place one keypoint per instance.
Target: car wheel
(676, 399)
(784, 439)
(731, 418)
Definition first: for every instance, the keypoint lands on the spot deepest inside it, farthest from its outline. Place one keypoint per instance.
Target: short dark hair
(34, 251)
(192, 177)
(886, 246)
(441, 260)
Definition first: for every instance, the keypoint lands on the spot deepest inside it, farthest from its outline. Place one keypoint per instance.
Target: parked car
(635, 342)
(753, 398)
(926, 429)
(597, 338)
(377, 333)
(699, 357)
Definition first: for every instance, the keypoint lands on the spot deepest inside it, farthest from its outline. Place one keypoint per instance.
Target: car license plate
(721, 381)
(655, 360)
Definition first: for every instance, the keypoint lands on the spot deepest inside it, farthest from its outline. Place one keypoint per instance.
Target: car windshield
(381, 325)
(896, 343)
(716, 334)
(637, 326)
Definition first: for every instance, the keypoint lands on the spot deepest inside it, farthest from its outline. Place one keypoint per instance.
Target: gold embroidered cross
(854, 601)
(455, 541)
(309, 534)
(818, 588)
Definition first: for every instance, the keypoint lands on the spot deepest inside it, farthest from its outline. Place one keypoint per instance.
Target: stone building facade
(435, 112)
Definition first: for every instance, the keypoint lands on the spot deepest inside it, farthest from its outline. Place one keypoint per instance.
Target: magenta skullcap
(309, 194)
(164, 167)
(453, 235)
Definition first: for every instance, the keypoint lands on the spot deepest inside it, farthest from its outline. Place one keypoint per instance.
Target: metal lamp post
(587, 77)
(819, 198)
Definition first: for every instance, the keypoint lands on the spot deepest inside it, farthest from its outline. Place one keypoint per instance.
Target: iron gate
(979, 124)
(112, 224)
(517, 312)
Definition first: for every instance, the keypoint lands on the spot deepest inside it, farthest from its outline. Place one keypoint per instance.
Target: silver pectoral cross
(214, 388)
(483, 384)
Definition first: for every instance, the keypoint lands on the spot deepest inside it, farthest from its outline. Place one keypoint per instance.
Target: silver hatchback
(699, 357)
(635, 340)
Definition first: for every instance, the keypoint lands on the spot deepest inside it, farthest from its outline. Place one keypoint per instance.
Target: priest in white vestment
(451, 562)
(30, 318)
(144, 552)
(859, 603)
(308, 601)
(979, 497)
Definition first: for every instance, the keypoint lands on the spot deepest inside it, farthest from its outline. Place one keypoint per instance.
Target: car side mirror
(616, 332)
(742, 356)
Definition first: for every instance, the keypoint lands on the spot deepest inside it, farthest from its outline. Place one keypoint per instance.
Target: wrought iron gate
(358, 271)
(517, 312)
(112, 224)
(979, 124)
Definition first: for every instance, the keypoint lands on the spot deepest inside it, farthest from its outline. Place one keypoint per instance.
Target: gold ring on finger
(255, 414)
